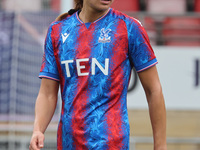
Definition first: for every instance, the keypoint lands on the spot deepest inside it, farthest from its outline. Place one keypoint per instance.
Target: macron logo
(64, 36)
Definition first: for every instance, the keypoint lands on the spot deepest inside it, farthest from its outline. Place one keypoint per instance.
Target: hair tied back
(71, 11)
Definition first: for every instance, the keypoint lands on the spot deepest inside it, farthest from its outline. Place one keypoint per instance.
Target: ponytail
(78, 6)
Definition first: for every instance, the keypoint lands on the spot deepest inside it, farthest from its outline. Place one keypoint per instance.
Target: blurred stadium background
(173, 27)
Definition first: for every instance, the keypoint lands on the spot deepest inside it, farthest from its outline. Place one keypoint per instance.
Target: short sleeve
(49, 66)
(141, 53)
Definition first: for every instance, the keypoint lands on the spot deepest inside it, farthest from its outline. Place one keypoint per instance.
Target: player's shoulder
(129, 20)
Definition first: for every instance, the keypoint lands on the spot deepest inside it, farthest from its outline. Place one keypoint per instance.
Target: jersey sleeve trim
(49, 76)
(147, 65)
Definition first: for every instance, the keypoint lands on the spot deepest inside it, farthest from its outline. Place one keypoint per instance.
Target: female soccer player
(90, 53)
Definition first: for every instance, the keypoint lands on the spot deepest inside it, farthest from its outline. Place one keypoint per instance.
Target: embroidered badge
(104, 37)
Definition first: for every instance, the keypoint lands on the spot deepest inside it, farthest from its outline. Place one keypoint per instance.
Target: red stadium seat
(181, 31)
(182, 43)
(55, 5)
(166, 6)
(197, 6)
(150, 27)
(126, 5)
(182, 22)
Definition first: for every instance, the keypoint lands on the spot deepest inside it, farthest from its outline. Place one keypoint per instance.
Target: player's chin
(106, 2)
(104, 6)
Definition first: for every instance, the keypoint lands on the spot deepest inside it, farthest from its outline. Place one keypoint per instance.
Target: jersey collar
(95, 20)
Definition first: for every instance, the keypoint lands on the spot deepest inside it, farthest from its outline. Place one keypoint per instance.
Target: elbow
(154, 93)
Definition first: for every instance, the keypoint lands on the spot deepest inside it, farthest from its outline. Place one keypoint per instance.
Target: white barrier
(179, 73)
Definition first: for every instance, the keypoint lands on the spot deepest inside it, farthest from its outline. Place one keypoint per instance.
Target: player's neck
(90, 15)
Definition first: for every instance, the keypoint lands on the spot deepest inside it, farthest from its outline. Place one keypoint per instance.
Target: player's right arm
(44, 110)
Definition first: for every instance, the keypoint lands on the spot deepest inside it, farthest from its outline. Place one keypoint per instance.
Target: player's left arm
(153, 90)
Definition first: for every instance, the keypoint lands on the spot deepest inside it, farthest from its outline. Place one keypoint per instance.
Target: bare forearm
(44, 110)
(152, 87)
(157, 113)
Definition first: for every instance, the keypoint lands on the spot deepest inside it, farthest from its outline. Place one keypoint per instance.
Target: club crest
(104, 37)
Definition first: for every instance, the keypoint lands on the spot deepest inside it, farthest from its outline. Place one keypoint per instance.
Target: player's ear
(61, 17)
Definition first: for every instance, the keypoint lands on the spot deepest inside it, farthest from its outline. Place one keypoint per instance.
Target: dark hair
(78, 6)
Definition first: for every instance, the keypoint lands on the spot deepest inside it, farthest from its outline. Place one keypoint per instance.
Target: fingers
(41, 142)
(33, 146)
(37, 141)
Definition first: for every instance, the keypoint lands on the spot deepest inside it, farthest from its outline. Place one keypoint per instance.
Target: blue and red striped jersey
(93, 65)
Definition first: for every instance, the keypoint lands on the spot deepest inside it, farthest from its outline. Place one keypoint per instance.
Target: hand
(37, 141)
